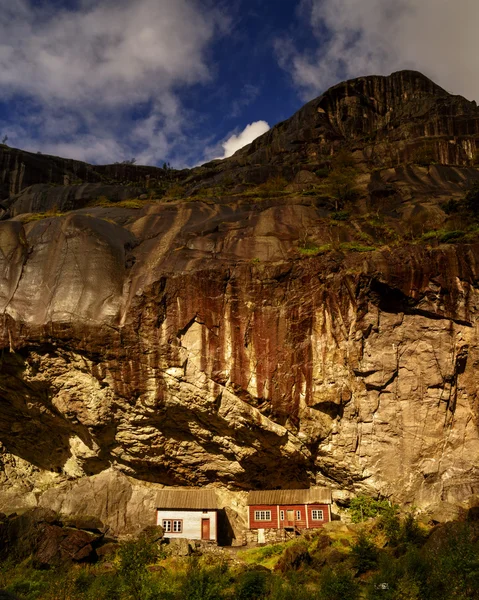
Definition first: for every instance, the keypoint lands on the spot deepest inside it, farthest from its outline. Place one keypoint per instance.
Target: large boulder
(39, 534)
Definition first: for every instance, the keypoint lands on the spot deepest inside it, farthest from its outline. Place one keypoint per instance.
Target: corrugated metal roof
(315, 495)
(193, 499)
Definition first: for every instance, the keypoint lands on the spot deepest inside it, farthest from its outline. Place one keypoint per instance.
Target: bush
(338, 585)
(401, 533)
(251, 585)
(294, 557)
(451, 236)
(322, 172)
(340, 215)
(363, 507)
(204, 584)
(134, 558)
(365, 554)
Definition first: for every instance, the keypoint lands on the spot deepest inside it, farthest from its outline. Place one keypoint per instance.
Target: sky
(188, 81)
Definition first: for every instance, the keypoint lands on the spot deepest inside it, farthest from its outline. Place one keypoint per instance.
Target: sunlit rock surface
(191, 342)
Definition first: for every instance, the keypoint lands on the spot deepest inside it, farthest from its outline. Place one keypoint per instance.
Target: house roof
(315, 495)
(189, 499)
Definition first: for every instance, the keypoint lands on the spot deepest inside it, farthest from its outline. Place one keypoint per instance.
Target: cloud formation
(249, 133)
(354, 38)
(87, 71)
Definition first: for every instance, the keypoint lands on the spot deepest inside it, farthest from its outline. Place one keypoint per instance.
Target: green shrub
(401, 532)
(203, 583)
(340, 215)
(106, 586)
(365, 554)
(338, 585)
(451, 236)
(322, 172)
(251, 585)
(28, 588)
(363, 507)
(134, 558)
(270, 550)
(294, 557)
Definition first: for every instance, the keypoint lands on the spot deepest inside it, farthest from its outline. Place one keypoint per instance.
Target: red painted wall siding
(300, 523)
(273, 524)
(316, 524)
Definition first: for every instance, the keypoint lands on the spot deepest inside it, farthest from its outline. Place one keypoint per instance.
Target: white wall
(191, 523)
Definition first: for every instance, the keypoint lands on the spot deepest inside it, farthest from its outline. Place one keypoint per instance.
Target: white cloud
(86, 68)
(249, 133)
(364, 37)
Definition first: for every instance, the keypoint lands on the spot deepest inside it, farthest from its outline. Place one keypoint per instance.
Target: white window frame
(317, 514)
(177, 526)
(298, 515)
(166, 524)
(281, 515)
(262, 515)
(172, 525)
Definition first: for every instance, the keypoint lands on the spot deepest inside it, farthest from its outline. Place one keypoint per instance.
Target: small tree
(134, 557)
(365, 554)
(5, 140)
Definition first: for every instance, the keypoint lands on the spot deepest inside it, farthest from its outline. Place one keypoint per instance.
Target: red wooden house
(273, 514)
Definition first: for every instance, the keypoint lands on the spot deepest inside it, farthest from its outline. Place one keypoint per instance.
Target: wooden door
(205, 529)
(290, 515)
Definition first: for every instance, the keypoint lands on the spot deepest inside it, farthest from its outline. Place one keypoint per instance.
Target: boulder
(178, 547)
(86, 522)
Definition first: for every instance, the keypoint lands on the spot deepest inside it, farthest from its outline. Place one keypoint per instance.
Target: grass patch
(104, 202)
(50, 214)
(311, 249)
(272, 187)
(356, 247)
(340, 215)
(443, 236)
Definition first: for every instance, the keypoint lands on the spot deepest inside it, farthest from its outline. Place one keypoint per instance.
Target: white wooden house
(188, 513)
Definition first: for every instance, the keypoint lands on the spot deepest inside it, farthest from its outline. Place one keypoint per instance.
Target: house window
(281, 515)
(317, 515)
(171, 526)
(177, 526)
(166, 526)
(262, 515)
(298, 515)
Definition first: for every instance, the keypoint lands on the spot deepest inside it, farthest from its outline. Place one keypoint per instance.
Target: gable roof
(315, 495)
(187, 498)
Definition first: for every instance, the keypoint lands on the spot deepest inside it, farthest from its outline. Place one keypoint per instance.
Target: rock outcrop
(40, 534)
(248, 339)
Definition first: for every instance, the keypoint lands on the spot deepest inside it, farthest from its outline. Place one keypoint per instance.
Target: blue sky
(185, 81)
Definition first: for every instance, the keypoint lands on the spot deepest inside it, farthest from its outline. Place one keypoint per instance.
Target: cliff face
(249, 341)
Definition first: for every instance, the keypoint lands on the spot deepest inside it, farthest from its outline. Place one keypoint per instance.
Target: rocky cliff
(304, 312)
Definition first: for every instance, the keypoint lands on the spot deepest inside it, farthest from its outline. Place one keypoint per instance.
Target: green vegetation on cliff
(386, 555)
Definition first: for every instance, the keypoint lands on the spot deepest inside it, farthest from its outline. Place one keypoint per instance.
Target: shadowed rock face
(196, 342)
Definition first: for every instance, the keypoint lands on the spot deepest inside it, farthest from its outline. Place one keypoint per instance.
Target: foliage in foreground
(391, 557)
